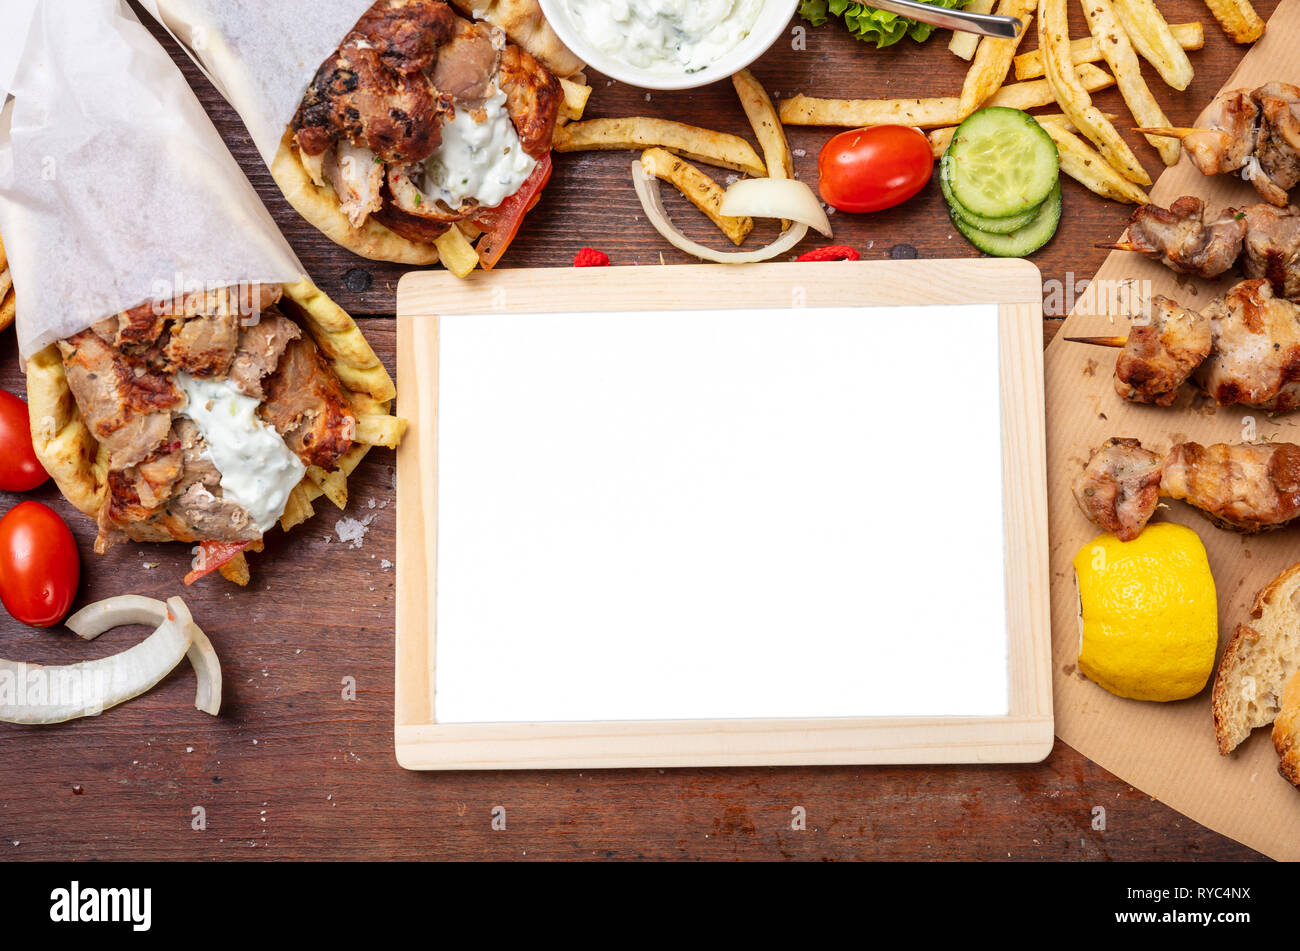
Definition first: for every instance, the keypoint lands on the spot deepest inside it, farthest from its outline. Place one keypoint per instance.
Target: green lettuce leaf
(869, 24)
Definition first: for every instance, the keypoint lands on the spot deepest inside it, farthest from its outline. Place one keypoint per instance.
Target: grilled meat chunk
(1256, 346)
(1181, 239)
(1278, 142)
(407, 33)
(203, 346)
(533, 99)
(1160, 355)
(355, 97)
(358, 180)
(1272, 247)
(467, 64)
(1251, 487)
(307, 406)
(1228, 132)
(1119, 487)
(126, 404)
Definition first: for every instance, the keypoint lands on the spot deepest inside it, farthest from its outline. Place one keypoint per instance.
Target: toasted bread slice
(1286, 732)
(1261, 658)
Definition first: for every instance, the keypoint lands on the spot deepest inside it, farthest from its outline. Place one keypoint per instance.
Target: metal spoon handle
(982, 23)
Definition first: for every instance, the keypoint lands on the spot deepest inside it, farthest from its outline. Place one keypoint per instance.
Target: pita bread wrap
(263, 56)
(117, 192)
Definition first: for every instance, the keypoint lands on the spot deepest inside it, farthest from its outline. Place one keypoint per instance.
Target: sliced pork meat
(533, 99)
(358, 179)
(203, 346)
(1119, 488)
(467, 64)
(1272, 247)
(208, 517)
(139, 327)
(258, 354)
(307, 406)
(1180, 238)
(355, 97)
(125, 404)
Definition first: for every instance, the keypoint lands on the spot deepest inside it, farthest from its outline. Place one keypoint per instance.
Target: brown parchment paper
(1168, 750)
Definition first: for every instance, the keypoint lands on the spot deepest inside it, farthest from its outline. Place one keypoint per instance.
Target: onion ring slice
(34, 693)
(95, 619)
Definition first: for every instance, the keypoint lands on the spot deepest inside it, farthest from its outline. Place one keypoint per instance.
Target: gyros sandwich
(208, 418)
(425, 128)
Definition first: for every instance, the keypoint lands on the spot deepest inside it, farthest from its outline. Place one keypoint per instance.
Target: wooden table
(293, 770)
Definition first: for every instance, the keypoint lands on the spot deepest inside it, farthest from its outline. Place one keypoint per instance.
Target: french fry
(455, 252)
(1238, 19)
(1190, 36)
(640, 132)
(766, 125)
(298, 507)
(575, 100)
(333, 485)
(470, 230)
(1054, 41)
(926, 113)
(993, 59)
(1124, 65)
(703, 192)
(1089, 168)
(376, 429)
(1154, 41)
(236, 570)
(963, 44)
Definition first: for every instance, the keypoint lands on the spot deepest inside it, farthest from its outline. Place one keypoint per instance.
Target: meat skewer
(1244, 487)
(1243, 348)
(1253, 132)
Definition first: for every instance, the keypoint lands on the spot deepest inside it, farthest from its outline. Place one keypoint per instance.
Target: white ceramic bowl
(771, 23)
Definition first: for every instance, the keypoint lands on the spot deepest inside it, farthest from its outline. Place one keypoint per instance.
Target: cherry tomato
(39, 565)
(871, 169)
(20, 470)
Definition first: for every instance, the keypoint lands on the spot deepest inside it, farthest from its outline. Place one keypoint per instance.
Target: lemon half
(1148, 613)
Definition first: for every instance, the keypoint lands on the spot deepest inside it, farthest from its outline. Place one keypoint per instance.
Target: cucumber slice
(1001, 163)
(1018, 243)
(991, 225)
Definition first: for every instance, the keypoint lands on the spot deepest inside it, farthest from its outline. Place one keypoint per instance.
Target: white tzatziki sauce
(665, 36)
(258, 471)
(484, 160)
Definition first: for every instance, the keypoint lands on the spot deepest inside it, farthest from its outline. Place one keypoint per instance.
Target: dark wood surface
(292, 770)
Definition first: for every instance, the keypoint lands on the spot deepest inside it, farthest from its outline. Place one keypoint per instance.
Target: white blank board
(719, 514)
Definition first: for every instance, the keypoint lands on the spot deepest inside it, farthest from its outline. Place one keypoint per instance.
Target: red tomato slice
(501, 224)
(211, 556)
(873, 169)
(39, 564)
(20, 470)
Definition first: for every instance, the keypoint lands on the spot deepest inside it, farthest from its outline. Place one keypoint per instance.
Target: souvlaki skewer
(1242, 348)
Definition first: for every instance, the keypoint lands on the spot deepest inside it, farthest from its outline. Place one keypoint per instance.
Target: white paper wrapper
(261, 55)
(114, 185)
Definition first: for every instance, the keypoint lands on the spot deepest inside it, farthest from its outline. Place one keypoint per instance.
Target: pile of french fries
(1062, 72)
(668, 148)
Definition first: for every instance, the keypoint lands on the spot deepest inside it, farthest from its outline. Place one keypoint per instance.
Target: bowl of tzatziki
(668, 44)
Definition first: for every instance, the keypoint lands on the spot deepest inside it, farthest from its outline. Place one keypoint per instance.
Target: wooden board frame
(1025, 734)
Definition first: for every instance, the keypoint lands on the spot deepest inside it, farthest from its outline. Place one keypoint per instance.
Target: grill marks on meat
(1119, 487)
(1159, 356)
(1256, 354)
(1181, 239)
(354, 96)
(406, 66)
(307, 406)
(533, 98)
(1248, 487)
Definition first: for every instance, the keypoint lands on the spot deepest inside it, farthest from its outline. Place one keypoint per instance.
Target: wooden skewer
(1118, 246)
(1100, 341)
(1171, 132)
